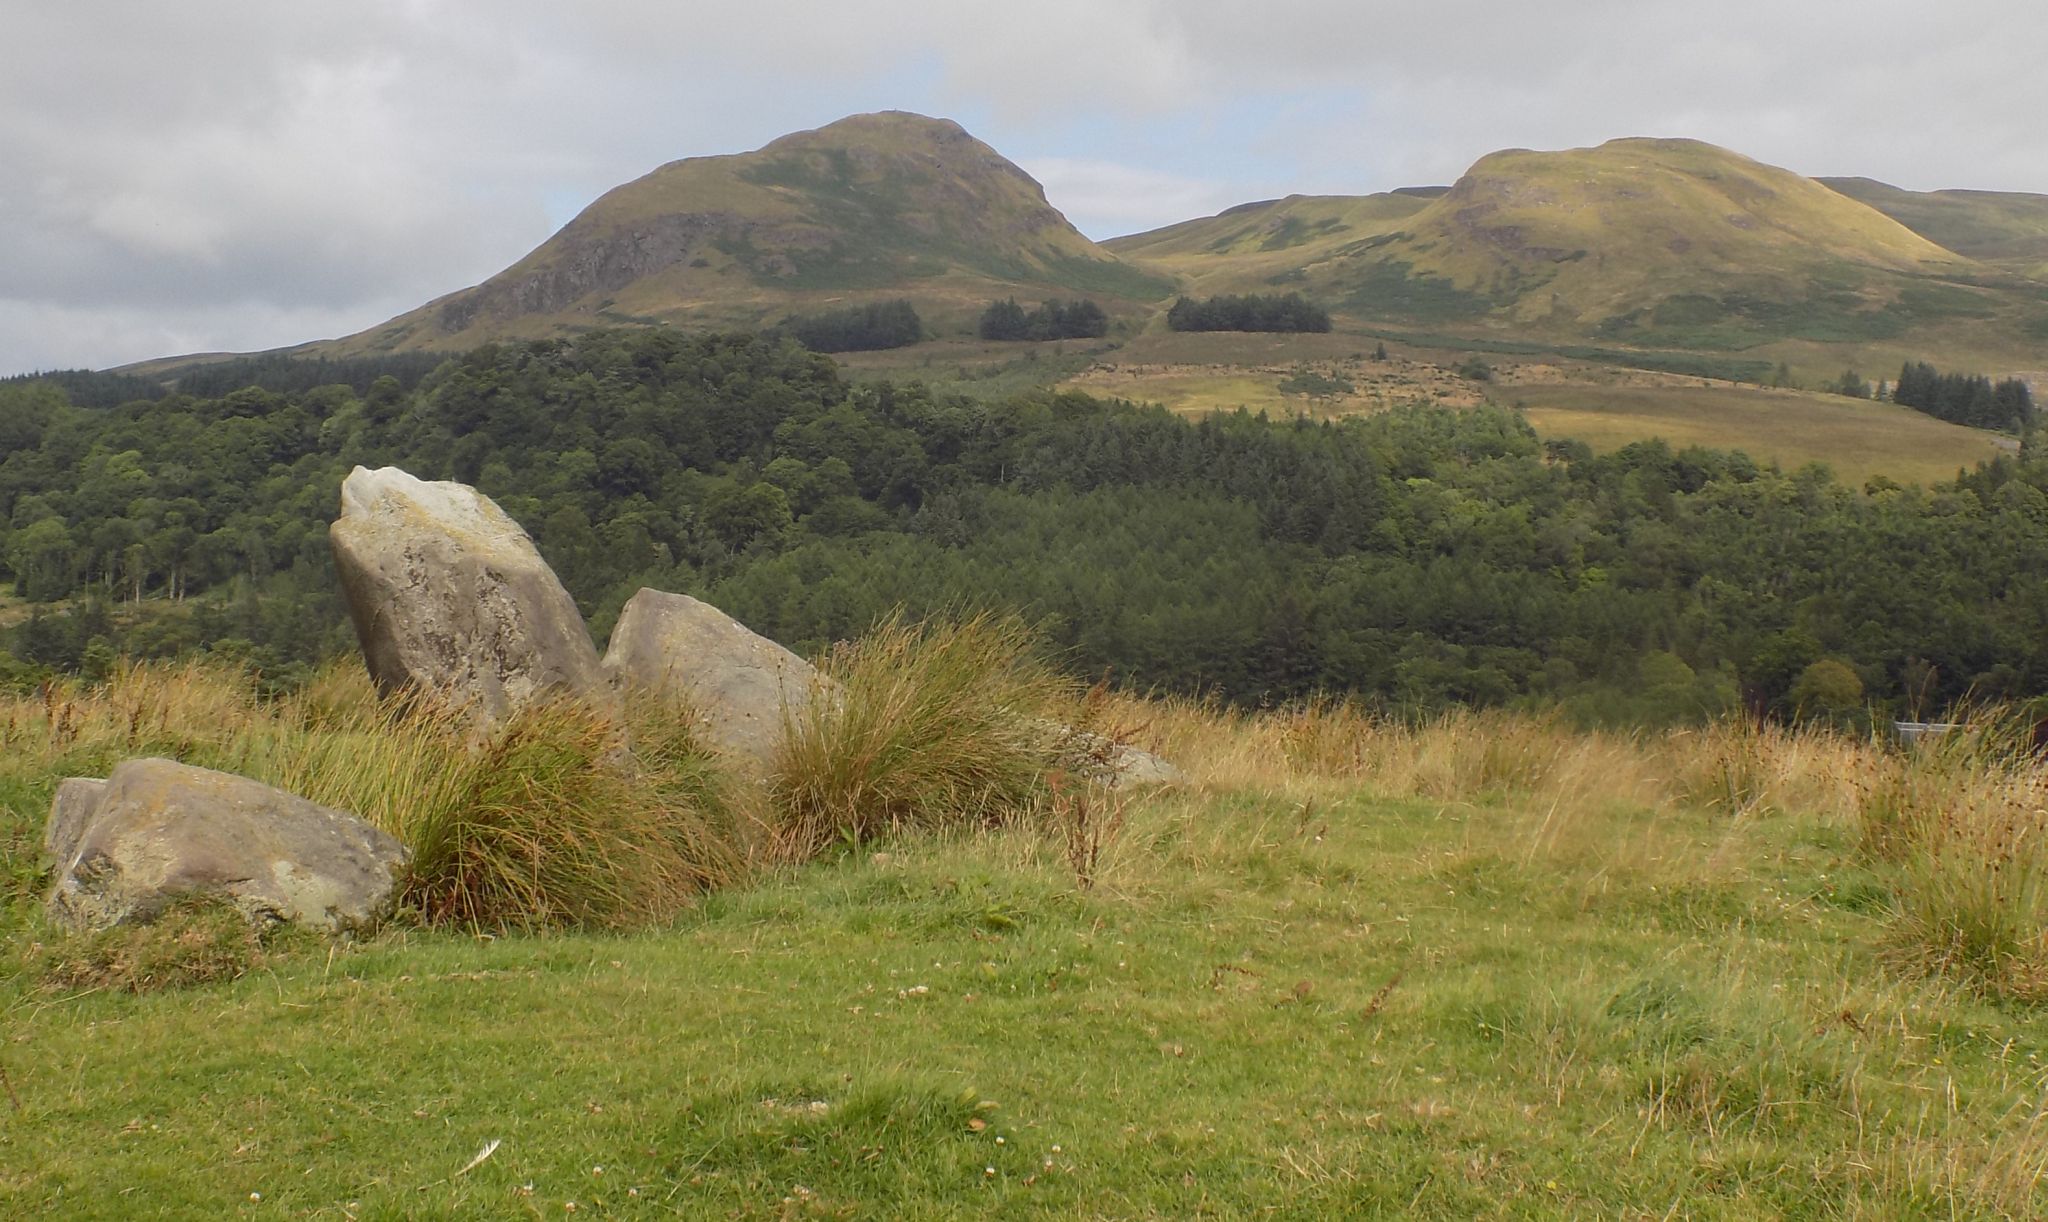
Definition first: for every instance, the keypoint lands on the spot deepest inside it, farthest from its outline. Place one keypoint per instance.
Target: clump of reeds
(924, 726)
(547, 820)
(1960, 826)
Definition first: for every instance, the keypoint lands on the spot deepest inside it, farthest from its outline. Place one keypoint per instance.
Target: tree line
(1418, 557)
(1248, 312)
(1965, 398)
(1006, 320)
(861, 328)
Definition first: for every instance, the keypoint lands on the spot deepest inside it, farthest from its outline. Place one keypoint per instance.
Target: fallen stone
(450, 598)
(737, 684)
(156, 830)
(742, 687)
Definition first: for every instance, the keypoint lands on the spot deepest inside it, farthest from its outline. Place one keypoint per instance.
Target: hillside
(1271, 241)
(1658, 242)
(873, 206)
(2006, 228)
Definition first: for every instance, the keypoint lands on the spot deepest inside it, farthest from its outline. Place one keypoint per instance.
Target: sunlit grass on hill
(1483, 964)
(1856, 439)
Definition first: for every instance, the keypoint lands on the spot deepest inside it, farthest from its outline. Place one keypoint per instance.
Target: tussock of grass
(547, 822)
(929, 726)
(1960, 825)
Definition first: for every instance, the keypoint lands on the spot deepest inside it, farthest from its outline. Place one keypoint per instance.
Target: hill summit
(1658, 240)
(872, 206)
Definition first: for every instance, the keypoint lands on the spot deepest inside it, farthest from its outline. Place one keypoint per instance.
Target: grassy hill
(2005, 228)
(1274, 242)
(1658, 243)
(871, 207)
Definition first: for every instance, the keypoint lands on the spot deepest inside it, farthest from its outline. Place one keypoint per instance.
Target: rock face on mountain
(156, 830)
(450, 598)
(737, 684)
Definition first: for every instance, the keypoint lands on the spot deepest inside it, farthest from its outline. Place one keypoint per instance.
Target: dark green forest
(1250, 312)
(1965, 398)
(864, 328)
(1006, 320)
(1417, 557)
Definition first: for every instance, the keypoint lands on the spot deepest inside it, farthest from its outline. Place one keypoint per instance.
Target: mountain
(1666, 242)
(871, 207)
(2005, 228)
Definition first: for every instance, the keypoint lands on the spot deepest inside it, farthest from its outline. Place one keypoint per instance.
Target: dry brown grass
(929, 726)
(544, 822)
(938, 728)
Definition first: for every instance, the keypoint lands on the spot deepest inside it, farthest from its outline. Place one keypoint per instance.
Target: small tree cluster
(1250, 312)
(1006, 320)
(884, 324)
(1965, 398)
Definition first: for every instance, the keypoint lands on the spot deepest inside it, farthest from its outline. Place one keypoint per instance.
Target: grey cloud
(215, 173)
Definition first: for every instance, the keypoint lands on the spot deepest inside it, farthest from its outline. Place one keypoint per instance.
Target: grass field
(1485, 967)
(1854, 438)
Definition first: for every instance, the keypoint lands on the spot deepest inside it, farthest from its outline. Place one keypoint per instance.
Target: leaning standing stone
(450, 598)
(156, 830)
(738, 684)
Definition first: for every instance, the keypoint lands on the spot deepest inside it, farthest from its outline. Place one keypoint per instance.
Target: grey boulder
(1114, 763)
(450, 598)
(156, 830)
(737, 684)
(741, 688)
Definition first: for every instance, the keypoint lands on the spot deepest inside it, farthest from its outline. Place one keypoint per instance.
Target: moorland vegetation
(1479, 962)
(1416, 558)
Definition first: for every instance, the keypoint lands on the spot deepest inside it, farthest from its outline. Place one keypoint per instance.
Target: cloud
(1105, 198)
(215, 173)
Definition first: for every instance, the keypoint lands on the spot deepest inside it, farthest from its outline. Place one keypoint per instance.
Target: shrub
(927, 726)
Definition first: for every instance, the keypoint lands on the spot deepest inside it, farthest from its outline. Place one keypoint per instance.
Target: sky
(244, 174)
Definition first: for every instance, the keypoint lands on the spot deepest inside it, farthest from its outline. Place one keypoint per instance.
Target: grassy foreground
(1486, 966)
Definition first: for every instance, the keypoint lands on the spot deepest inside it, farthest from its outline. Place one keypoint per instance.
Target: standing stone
(450, 597)
(737, 683)
(156, 830)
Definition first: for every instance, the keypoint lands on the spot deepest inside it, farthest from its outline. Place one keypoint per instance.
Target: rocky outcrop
(451, 598)
(737, 684)
(156, 830)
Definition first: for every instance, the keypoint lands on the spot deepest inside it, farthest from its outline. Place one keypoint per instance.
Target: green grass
(1854, 438)
(981, 370)
(1388, 1008)
(1482, 966)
